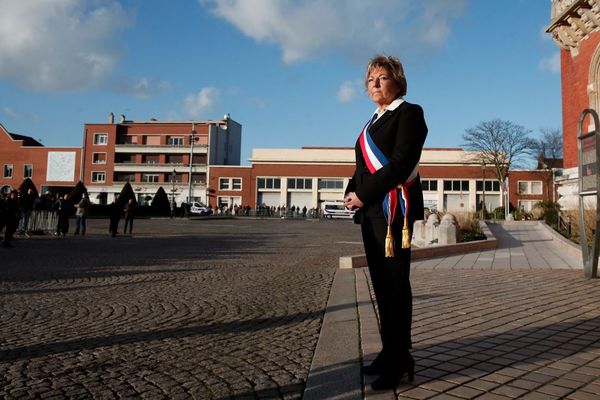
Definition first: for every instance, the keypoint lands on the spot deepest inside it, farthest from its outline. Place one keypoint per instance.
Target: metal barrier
(42, 221)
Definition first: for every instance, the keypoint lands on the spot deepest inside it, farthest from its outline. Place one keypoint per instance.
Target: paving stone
(182, 309)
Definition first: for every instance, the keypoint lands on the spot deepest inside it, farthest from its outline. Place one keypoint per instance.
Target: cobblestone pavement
(206, 309)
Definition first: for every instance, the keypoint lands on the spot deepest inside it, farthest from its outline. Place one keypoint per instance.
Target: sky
(290, 72)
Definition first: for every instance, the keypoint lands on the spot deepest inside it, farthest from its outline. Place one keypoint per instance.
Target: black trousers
(391, 283)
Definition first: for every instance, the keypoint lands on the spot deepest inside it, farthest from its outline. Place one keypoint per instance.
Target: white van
(335, 209)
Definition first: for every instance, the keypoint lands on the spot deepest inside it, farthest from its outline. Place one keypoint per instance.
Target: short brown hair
(394, 67)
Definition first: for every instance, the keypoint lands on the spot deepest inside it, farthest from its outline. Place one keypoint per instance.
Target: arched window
(593, 87)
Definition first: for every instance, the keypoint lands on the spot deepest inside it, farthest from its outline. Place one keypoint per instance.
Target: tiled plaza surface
(516, 322)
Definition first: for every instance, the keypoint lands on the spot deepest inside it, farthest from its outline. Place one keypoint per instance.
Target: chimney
(111, 118)
(122, 119)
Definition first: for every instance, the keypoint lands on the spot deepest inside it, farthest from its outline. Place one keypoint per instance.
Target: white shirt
(391, 107)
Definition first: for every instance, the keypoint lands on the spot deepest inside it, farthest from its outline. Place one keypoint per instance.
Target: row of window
(524, 187)
(100, 177)
(100, 158)
(8, 171)
(101, 139)
(300, 183)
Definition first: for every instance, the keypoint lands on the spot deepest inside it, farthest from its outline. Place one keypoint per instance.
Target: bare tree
(499, 143)
(550, 145)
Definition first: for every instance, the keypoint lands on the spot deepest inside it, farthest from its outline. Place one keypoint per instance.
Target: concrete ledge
(360, 260)
(561, 241)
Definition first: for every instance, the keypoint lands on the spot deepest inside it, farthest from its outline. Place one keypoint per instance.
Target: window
(456, 186)
(429, 185)
(173, 177)
(150, 159)
(331, 183)
(490, 186)
(99, 158)
(8, 170)
(174, 159)
(28, 171)
(124, 158)
(152, 178)
(101, 139)
(199, 159)
(230, 183)
(98, 177)
(269, 183)
(530, 187)
(223, 184)
(527, 205)
(299, 183)
(175, 141)
(124, 177)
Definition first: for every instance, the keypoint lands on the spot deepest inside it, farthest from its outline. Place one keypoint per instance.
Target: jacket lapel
(384, 118)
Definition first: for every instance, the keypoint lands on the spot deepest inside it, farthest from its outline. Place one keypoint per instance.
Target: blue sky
(290, 72)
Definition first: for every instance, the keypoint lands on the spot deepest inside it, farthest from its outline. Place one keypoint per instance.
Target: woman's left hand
(352, 202)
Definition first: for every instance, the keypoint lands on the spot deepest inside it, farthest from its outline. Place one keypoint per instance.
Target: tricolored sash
(375, 160)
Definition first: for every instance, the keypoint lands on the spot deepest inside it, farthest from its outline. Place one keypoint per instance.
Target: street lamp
(173, 192)
(483, 190)
(192, 140)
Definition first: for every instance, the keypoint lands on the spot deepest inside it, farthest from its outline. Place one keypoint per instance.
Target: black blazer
(400, 135)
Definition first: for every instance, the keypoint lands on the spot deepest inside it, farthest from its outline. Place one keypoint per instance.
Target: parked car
(336, 209)
(200, 209)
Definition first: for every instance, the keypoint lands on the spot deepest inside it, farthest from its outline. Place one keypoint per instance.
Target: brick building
(575, 26)
(51, 168)
(148, 154)
(453, 180)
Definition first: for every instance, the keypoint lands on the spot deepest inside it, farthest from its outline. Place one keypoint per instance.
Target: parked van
(335, 209)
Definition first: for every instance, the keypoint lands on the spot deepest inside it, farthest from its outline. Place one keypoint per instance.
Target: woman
(386, 193)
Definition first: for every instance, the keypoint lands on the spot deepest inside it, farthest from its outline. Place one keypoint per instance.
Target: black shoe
(372, 369)
(391, 379)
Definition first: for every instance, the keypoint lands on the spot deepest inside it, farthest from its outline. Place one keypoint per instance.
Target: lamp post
(483, 190)
(173, 193)
(192, 140)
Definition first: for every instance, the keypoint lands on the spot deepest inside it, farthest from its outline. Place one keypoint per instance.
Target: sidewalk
(519, 321)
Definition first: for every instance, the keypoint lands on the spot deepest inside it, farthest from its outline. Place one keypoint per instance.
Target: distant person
(129, 215)
(63, 210)
(26, 204)
(386, 193)
(83, 208)
(11, 217)
(114, 212)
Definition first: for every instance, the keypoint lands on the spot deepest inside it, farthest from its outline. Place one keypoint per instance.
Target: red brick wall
(13, 152)
(248, 184)
(575, 76)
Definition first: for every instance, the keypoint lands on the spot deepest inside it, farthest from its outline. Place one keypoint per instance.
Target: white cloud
(144, 88)
(194, 105)
(357, 28)
(347, 91)
(55, 45)
(10, 112)
(551, 63)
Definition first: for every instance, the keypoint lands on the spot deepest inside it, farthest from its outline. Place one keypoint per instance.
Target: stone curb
(360, 260)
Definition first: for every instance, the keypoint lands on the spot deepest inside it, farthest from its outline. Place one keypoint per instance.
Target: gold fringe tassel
(389, 243)
(405, 235)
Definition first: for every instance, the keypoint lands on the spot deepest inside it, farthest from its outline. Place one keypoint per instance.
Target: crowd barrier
(42, 221)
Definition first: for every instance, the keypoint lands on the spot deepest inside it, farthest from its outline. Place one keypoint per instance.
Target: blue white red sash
(375, 160)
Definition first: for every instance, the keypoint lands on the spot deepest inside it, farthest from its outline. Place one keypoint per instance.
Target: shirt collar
(391, 107)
